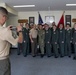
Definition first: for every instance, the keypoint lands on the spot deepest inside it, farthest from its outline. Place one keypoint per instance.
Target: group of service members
(51, 41)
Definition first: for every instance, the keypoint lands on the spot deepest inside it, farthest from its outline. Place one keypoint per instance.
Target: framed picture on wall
(31, 20)
(68, 19)
(49, 19)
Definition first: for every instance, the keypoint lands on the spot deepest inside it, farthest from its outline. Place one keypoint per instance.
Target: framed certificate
(49, 19)
(31, 20)
(68, 19)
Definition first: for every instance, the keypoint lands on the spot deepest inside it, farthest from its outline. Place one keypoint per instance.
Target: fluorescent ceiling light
(24, 6)
(70, 4)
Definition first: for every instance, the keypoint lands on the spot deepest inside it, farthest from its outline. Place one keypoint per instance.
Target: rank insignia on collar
(60, 31)
(46, 31)
(68, 31)
(54, 33)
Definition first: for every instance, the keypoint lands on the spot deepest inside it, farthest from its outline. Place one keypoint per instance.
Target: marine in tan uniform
(33, 37)
(6, 39)
(20, 45)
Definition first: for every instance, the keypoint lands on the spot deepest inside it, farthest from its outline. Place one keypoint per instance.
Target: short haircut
(46, 24)
(27, 24)
(68, 25)
(3, 11)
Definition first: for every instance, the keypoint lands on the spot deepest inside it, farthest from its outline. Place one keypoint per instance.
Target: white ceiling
(41, 5)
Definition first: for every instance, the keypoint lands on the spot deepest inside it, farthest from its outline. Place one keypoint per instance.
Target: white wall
(25, 15)
(13, 20)
(11, 10)
(57, 14)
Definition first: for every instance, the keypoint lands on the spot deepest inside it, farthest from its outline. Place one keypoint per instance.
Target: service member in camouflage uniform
(41, 37)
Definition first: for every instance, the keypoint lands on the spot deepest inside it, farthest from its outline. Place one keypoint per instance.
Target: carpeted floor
(41, 66)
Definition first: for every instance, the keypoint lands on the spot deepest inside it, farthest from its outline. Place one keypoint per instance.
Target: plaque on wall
(74, 20)
(68, 19)
(23, 21)
(49, 19)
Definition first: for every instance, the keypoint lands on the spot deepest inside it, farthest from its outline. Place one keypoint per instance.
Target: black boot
(56, 56)
(42, 55)
(74, 58)
(69, 56)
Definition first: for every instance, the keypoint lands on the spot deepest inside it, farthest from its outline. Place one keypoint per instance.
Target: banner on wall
(61, 21)
(40, 21)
